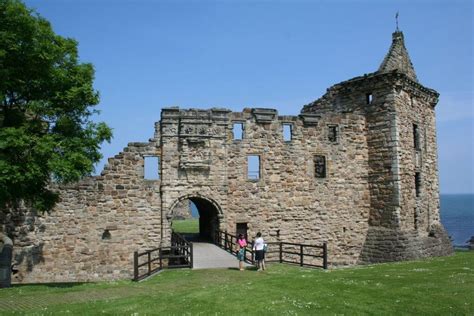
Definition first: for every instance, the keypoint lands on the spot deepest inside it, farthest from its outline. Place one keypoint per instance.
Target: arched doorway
(198, 217)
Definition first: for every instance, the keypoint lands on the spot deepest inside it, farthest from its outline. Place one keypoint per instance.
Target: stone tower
(357, 169)
(404, 217)
(404, 220)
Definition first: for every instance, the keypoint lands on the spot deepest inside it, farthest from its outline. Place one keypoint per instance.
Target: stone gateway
(357, 168)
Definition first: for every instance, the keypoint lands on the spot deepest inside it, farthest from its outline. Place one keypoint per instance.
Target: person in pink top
(241, 243)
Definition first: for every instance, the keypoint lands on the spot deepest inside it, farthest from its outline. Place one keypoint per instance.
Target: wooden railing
(228, 242)
(315, 256)
(302, 254)
(178, 255)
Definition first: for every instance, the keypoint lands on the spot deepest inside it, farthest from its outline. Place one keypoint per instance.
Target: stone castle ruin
(357, 169)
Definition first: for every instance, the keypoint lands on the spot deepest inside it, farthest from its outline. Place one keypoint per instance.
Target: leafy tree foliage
(46, 104)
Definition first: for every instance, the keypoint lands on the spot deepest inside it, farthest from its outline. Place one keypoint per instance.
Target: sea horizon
(457, 216)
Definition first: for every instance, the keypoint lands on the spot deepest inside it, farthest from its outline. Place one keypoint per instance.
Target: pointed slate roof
(397, 58)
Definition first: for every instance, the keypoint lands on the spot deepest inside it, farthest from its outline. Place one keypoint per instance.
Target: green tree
(46, 106)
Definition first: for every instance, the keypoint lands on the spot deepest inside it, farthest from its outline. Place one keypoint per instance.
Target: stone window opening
(320, 166)
(238, 130)
(241, 228)
(415, 218)
(151, 168)
(253, 167)
(417, 184)
(369, 98)
(416, 137)
(106, 235)
(333, 132)
(287, 132)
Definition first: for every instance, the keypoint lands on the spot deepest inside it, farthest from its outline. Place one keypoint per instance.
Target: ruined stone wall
(288, 203)
(182, 210)
(193, 160)
(95, 228)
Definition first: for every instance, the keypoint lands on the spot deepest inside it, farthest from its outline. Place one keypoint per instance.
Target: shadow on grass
(251, 268)
(53, 285)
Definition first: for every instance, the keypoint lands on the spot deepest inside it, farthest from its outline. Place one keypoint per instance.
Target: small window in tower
(416, 136)
(369, 98)
(320, 166)
(333, 133)
(417, 184)
(253, 167)
(287, 132)
(152, 168)
(238, 131)
(415, 218)
(106, 235)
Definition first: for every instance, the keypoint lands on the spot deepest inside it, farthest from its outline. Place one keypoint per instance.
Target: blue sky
(280, 54)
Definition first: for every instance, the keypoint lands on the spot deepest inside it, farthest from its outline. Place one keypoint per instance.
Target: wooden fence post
(252, 253)
(325, 255)
(301, 255)
(281, 252)
(161, 258)
(135, 266)
(149, 262)
(225, 241)
(191, 255)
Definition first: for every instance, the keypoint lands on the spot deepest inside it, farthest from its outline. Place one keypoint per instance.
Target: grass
(439, 286)
(190, 226)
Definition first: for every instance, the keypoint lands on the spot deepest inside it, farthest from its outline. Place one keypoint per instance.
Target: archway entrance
(196, 218)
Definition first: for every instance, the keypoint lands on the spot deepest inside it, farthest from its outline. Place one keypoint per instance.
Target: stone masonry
(359, 172)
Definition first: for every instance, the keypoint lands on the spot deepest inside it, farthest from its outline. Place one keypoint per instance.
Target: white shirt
(258, 244)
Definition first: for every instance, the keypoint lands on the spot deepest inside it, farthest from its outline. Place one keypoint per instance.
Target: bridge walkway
(209, 256)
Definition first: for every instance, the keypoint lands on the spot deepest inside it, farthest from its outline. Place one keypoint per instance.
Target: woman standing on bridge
(258, 247)
(242, 243)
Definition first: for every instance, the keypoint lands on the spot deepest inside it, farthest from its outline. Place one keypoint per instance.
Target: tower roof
(397, 58)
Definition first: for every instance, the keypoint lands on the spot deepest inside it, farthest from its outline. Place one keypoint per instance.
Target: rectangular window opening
(238, 131)
(416, 136)
(253, 167)
(332, 133)
(415, 218)
(241, 228)
(287, 132)
(417, 184)
(369, 98)
(152, 168)
(320, 166)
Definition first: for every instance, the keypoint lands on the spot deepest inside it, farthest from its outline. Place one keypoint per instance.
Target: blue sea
(457, 216)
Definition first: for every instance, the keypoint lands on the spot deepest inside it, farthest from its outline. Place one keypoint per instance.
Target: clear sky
(279, 54)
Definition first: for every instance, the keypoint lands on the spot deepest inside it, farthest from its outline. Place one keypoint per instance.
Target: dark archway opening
(196, 219)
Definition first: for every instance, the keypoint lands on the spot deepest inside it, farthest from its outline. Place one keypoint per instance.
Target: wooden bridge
(221, 254)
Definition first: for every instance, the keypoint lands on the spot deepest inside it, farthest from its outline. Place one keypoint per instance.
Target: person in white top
(258, 247)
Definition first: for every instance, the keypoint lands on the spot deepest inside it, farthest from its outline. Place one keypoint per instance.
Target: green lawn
(440, 286)
(190, 226)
